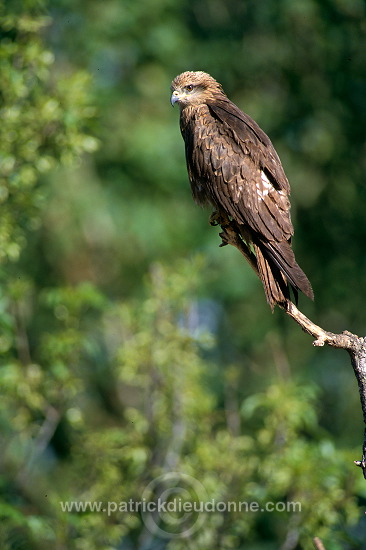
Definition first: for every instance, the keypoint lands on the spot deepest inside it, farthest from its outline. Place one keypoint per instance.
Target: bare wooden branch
(40, 443)
(353, 344)
(318, 543)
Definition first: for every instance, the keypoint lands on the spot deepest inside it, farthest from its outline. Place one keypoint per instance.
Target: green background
(131, 344)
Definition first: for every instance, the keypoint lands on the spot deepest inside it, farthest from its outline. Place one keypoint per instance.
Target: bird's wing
(247, 178)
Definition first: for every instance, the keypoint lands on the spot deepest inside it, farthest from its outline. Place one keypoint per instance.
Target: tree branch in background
(318, 543)
(353, 344)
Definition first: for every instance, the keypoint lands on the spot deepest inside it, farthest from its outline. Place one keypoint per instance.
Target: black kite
(233, 166)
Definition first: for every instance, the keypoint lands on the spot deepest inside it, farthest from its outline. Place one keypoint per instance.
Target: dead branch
(318, 543)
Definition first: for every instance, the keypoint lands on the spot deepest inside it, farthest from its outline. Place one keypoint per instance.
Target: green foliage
(42, 124)
(161, 419)
(121, 362)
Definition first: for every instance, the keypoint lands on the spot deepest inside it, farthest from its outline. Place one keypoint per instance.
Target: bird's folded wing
(247, 177)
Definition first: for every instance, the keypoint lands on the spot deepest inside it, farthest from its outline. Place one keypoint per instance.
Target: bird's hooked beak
(174, 97)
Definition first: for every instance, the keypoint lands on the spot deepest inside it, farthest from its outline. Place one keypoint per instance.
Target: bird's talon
(217, 218)
(224, 240)
(214, 218)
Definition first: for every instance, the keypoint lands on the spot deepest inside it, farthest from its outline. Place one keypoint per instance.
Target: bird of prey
(233, 166)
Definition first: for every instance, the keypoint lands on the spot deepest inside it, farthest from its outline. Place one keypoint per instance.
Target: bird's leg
(219, 218)
(228, 235)
(224, 238)
(231, 235)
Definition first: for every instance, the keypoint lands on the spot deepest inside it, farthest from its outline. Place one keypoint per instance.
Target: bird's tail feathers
(275, 286)
(278, 269)
(284, 257)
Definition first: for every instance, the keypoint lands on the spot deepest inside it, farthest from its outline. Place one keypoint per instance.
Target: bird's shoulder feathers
(257, 141)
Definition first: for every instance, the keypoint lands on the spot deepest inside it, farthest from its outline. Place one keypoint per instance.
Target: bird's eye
(189, 88)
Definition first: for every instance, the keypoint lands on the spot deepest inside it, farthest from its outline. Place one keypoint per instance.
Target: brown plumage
(233, 166)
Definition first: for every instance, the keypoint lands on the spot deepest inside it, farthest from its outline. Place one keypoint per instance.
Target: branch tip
(319, 342)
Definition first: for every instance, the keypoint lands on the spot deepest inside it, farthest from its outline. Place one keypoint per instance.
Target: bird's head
(194, 88)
